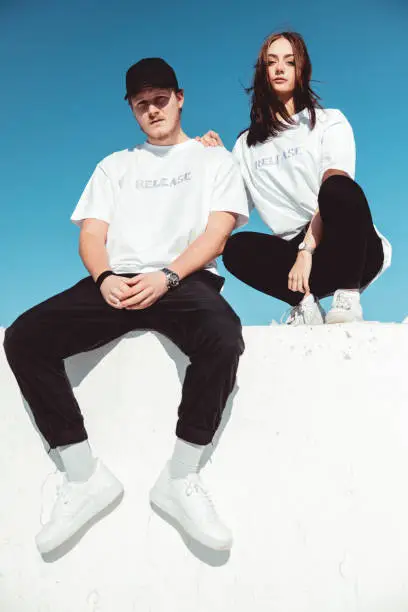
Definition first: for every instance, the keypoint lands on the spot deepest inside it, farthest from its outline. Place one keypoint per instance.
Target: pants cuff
(68, 437)
(194, 435)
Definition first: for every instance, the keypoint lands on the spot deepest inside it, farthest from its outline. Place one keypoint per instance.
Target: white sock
(78, 461)
(185, 459)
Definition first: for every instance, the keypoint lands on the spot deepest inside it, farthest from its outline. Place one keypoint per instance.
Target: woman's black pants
(193, 315)
(349, 256)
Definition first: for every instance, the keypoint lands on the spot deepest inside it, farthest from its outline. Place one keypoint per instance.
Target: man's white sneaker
(307, 312)
(189, 503)
(345, 308)
(78, 503)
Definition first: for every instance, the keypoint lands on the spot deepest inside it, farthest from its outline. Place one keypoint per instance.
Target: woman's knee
(341, 195)
(13, 343)
(234, 249)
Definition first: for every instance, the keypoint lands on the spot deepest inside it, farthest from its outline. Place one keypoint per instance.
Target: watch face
(173, 279)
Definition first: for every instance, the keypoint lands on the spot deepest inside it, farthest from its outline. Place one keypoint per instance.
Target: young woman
(298, 162)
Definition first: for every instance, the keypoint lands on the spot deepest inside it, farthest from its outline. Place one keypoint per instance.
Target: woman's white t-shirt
(283, 175)
(157, 201)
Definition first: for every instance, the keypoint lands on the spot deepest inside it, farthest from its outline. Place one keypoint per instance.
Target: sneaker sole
(341, 318)
(107, 500)
(304, 324)
(170, 509)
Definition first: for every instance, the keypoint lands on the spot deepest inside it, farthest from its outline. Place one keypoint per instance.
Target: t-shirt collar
(165, 149)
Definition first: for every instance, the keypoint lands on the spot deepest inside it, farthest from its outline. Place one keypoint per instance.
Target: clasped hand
(298, 279)
(134, 293)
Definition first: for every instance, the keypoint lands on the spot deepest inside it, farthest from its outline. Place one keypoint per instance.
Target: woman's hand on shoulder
(210, 139)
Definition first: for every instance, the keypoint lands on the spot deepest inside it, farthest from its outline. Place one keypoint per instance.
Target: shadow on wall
(79, 366)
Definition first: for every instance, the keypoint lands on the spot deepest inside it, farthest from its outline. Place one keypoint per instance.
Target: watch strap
(172, 278)
(303, 246)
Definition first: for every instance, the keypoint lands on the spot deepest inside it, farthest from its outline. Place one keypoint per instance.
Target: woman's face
(281, 67)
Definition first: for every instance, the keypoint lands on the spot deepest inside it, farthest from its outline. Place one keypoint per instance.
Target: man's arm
(92, 249)
(92, 246)
(206, 247)
(148, 288)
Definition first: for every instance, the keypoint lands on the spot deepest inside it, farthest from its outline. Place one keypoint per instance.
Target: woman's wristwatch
(303, 246)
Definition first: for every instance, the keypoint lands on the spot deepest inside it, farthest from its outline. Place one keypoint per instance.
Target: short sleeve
(97, 200)
(228, 193)
(338, 146)
(239, 157)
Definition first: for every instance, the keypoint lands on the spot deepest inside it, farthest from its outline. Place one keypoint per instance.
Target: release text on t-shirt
(275, 160)
(163, 182)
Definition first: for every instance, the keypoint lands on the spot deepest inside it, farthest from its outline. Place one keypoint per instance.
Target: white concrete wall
(311, 473)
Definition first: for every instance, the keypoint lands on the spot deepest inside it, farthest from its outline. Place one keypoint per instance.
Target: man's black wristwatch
(173, 279)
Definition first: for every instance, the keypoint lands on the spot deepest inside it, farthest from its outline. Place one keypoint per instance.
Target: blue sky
(62, 110)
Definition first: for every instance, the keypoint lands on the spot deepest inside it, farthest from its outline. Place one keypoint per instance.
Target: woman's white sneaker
(345, 308)
(188, 502)
(307, 312)
(78, 503)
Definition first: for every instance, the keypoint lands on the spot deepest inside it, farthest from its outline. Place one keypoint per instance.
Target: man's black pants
(194, 316)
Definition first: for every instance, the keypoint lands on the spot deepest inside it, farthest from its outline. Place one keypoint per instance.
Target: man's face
(157, 112)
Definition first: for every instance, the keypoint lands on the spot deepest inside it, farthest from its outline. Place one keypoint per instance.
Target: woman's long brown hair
(266, 106)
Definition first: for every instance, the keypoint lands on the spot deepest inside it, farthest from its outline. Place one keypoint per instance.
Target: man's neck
(172, 139)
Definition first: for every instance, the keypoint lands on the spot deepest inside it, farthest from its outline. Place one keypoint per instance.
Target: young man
(153, 219)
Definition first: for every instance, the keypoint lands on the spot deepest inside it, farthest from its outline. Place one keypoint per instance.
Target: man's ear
(129, 101)
(180, 98)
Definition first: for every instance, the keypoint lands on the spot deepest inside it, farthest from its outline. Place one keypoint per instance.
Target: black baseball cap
(150, 72)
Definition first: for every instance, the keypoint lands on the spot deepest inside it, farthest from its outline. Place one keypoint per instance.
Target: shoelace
(292, 315)
(62, 494)
(63, 499)
(343, 301)
(195, 487)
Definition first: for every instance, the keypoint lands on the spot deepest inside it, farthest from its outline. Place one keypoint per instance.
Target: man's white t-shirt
(157, 201)
(283, 175)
